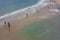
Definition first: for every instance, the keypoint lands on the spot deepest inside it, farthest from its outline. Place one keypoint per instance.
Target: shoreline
(17, 23)
(23, 11)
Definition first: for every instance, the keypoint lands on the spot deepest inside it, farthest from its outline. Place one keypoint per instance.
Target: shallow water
(7, 6)
(42, 30)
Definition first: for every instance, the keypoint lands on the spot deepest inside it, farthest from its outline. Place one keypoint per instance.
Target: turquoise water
(7, 6)
(41, 30)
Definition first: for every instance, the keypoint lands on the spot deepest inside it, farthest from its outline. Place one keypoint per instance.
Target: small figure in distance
(26, 15)
(8, 26)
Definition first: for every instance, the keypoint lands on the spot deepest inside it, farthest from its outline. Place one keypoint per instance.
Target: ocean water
(48, 29)
(7, 6)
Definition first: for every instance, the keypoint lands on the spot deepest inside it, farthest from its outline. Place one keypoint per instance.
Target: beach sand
(17, 24)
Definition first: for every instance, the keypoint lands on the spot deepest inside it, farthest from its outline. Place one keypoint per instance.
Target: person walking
(8, 26)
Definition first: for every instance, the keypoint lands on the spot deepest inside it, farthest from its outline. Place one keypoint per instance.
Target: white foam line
(39, 3)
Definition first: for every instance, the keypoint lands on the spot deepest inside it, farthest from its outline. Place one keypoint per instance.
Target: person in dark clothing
(8, 26)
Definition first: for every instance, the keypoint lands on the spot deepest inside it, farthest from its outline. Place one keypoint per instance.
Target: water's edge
(19, 13)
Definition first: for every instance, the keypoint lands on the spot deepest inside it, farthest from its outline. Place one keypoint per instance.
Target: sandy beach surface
(16, 24)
